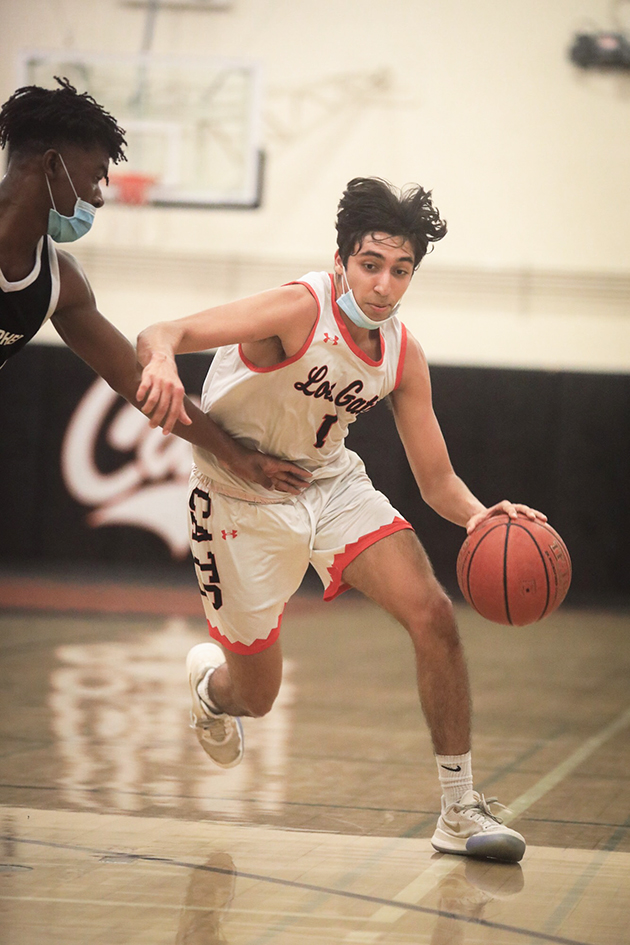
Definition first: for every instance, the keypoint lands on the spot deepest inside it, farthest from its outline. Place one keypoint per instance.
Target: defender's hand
(161, 394)
(267, 471)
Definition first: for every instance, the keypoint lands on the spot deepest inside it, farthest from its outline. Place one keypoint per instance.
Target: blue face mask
(68, 229)
(348, 304)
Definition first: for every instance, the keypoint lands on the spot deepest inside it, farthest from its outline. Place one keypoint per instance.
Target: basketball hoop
(133, 187)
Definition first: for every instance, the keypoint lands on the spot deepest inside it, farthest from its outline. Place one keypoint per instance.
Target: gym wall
(526, 155)
(523, 309)
(85, 482)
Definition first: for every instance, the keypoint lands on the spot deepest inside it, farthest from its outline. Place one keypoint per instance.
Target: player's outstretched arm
(286, 313)
(99, 343)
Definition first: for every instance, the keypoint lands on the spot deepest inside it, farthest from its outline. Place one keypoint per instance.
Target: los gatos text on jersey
(317, 386)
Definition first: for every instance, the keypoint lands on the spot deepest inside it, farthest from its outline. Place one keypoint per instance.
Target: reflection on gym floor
(117, 829)
(118, 714)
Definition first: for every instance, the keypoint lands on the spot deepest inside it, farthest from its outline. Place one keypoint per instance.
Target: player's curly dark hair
(34, 119)
(371, 205)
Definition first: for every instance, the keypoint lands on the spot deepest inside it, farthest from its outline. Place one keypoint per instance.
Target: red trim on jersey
(350, 552)
(256, 647)
(401, 356)
(296, 357)
(343, 328)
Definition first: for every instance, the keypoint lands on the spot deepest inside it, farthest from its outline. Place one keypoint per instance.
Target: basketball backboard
(192, 124)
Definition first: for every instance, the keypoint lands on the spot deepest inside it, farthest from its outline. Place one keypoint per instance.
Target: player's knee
(442, 609)
(434, 619)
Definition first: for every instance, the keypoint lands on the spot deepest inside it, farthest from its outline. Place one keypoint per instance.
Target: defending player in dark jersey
(60, 143)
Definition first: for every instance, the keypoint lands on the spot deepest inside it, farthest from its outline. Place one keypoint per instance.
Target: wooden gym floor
(117, 830)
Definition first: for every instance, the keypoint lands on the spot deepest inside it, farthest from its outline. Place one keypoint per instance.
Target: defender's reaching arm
(94, 339)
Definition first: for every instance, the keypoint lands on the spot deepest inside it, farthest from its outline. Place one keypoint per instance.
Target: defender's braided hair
(34, 119)
(372, 205)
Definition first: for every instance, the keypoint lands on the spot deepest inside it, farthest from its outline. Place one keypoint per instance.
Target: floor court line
(429, 878)
(277, 881)
(557, 774)
(574, 895)
(223, 798)
(390, 910)
(432, 876)
(441, 866)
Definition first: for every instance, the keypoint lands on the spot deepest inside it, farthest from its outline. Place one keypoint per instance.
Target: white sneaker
(220, 735)
(470, 828)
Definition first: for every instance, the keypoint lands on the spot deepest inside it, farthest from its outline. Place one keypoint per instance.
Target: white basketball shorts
(251, 557)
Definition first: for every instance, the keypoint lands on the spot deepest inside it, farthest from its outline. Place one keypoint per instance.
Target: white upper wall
(527, 157)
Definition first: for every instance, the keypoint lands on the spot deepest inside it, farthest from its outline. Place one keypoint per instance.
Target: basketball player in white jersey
(295, 366)
(60, 143)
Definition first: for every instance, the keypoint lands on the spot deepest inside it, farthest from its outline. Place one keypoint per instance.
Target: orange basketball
(514, 571)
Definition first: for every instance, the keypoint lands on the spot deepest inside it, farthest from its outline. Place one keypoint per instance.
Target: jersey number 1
(324, 429)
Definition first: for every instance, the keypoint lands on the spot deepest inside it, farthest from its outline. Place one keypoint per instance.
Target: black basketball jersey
(27, 304)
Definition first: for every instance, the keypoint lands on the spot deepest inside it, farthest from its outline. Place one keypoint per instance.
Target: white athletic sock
(455, 773)
(204, 695)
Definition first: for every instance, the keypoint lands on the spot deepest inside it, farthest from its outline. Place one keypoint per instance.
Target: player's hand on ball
(513, 509)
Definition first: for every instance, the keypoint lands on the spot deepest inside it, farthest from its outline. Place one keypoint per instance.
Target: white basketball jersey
(300, 409)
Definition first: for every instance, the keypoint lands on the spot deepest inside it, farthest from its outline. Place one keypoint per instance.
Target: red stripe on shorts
(256, 647)
(350, 552)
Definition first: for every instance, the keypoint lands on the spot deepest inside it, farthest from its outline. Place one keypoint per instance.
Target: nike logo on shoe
(452, 767)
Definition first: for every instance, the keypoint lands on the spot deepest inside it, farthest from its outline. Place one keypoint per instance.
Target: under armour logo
(334, 339)
(225, 535)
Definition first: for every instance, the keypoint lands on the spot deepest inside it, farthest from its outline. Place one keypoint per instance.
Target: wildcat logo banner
(84, 479)
(147, 489)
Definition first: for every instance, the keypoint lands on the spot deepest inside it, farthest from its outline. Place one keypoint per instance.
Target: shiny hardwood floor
(116, 828)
